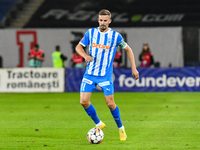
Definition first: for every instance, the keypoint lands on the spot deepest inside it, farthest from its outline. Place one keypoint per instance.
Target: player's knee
(111, 105)
(84, 103)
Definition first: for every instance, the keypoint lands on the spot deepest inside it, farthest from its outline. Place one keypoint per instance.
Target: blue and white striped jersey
(102, 48)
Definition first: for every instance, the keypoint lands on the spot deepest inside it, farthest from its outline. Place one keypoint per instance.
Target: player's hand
(135, 73)
(88, 58)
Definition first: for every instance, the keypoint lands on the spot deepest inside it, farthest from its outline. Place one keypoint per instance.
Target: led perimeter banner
(151, 79)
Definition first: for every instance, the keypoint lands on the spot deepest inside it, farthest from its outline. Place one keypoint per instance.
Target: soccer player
(103, 42)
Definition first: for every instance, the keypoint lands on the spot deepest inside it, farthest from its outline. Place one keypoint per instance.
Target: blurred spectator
(77, 60)
(118, 59)
(146, 56)
(36, 56)
(58, 58)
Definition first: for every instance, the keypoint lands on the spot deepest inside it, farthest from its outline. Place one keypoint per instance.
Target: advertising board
(32, 80)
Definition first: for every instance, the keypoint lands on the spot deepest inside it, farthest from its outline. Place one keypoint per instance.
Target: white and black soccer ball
(95, 135)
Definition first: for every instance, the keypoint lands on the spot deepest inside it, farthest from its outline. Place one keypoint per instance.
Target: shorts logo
(87, 81)
(104, 83)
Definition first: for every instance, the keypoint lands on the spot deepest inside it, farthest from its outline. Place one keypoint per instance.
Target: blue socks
(92, 113)
(116, 115)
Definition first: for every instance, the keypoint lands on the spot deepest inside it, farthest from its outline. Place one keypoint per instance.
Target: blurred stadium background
(171, 28)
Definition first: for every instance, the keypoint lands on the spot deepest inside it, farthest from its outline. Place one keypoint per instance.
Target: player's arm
(129, 51)
(81, 52)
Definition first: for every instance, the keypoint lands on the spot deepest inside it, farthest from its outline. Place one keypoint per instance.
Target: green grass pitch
(164, 121)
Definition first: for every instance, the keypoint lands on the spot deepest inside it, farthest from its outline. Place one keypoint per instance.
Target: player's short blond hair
(105, 12)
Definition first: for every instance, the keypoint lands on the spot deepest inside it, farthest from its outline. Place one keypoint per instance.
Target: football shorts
(89, 83)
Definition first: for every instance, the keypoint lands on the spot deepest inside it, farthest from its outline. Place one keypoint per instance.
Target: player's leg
(87, 87)
(108, 89)
(114, 110)
(90, 110)
(116, 115)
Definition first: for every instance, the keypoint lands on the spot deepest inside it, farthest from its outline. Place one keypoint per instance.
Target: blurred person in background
(77, 60)
(146, 56)
(118, 59)
(58, 58)
(36, 56)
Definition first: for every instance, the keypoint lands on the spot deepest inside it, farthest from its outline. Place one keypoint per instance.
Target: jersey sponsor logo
(87, 81)
(100, 46)
(104, 83)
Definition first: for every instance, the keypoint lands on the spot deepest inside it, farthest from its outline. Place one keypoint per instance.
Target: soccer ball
(95, 135)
